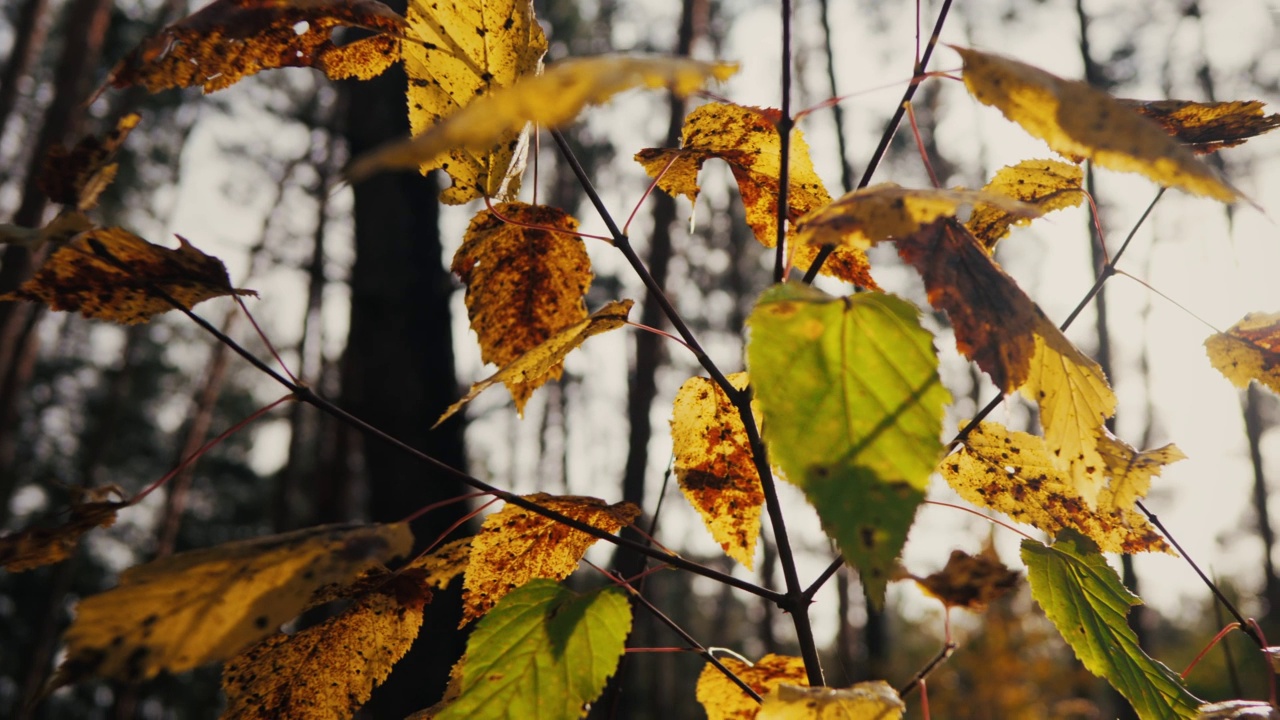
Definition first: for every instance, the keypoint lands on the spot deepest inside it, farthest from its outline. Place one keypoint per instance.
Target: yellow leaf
(715, 467)
(1208, 127)
(551, 100)
(523, 285)
(1080, 121)
(969, 581)
(724, 700)
(874, 700)
(440, 567)
(112, 274)
(231, 39)
(886, 211)
(1249, 350)
(528, 372)
(185, 610)
(329, 670)
(1047, 184)
(35, 547)
(516, 545)
(1131, 471)
(459, 52)
(1012, 473)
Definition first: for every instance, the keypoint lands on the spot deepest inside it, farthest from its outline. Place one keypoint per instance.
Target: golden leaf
(747, 139)
(1248, 350)
(724, 700)
(112, 274)
(551, 99)
(231, 39)
(523, 284)
(528, 372)
(874, 700)
(76, 177)
(1080, 121)
(185, 610)
(328, 670)
(1013, 473)
(445, 563)
(715, 467)
(1208, 127)
(1131, 471)
(35, 547)
(969, 581)
(516, 545)
(460, 52)
(1047, 184)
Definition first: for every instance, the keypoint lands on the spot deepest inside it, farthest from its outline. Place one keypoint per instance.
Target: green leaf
(543, 652)
(1084, 598)
(852, 408)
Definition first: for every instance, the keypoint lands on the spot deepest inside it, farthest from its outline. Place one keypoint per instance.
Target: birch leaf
(969, 581)
(1130, 470)
(77, 176)
(724, 700)
(1249, 350)
(1208, 127)
(1045, 184)
(36, 546)
(875, 700)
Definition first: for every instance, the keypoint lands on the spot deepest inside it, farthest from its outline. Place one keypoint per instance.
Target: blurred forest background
(356, 294)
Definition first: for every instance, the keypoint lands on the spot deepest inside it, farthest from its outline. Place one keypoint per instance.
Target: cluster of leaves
(847, 398)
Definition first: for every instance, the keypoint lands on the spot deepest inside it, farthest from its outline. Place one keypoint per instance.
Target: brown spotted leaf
(530, 371)
(443, 564)
(1005, 333)
(327, 671)
(76, 177)
(1012, 473)
(185, 610)
(516, 545)
(34, 547)
(747, 139)
(231, 39)
(1130, 471)
(969, 581)
(1046, 184)
(1248, 350)
(112, 274)
(523, 284)
(714, 465)
(1080, 121)
(1208, 127)
(724, 700)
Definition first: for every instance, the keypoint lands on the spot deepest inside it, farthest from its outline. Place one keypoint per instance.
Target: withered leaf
(231, 39)
(872, 700)
(1080, 121)
(112, 274)
(1208, 127)
(1047, 184)
(76, 177)
(523, 284)
(1248, 350)
(714, 465)
(969, 581)
(515, 546)
(724, 700)
(443, 564)
(1130, 471)
(747, 139)
(34, 547)
(1013, 473)
(530, 371)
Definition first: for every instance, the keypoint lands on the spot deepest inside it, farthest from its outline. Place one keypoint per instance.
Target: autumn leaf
(1045, 184)
(516, 545)
(459, 52)
(1012, 473)
(875, 700)
(551, 100)
(543, 653)
(523, 284)
(969, 581)
(442, 565)
(34, 547)
(328, 670)
(1005, 333)
(852, 408)
(231, 39)
(1208, 127)
(1080, 121)
(77, 176)
(715, 467)
(887, 211)
(1130, 470)
(1248, 350)
(112, 274)
(530, 371)
(185, 610)
(1085, 600)
(1238, 710)
(724, 700)
(747, 139)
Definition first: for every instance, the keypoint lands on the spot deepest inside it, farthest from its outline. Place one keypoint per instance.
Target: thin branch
(785, 123)
(918, 678)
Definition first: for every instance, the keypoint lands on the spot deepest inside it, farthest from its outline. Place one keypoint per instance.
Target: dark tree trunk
(28, 40)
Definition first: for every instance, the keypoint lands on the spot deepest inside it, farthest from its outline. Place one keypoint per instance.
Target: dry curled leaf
(1080, 121)
(77, 176)
(231, 39)
(969, 581)
(461, 51)
(523, 284)
(34, 547)
(516, 545)
(724, 700)
(1046, 184)
(1208, 127)
(715, 467)
(112, 274)
(530, 371)
(1248, 350)
(185, 610)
